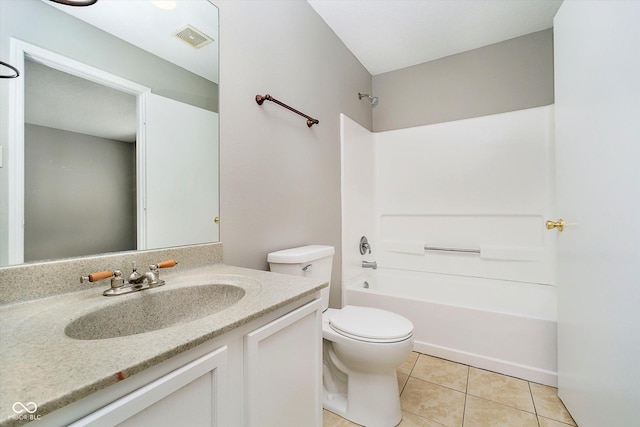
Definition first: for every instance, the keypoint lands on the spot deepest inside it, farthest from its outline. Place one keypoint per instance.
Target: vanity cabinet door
(283, 370)
(189, 396)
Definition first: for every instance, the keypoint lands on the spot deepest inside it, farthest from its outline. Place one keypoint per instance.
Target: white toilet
(362, 346)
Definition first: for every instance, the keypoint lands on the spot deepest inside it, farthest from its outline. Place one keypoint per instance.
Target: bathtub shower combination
(498, 325)
(455, 218)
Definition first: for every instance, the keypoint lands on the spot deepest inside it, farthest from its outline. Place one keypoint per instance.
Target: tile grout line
(505, 405)
(466, 393)
(535, 408)
(440, 385)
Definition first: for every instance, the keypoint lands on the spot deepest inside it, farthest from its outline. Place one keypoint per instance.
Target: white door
(181, 174)
(597, 78)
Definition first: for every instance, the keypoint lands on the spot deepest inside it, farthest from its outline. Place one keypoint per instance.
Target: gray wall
(80, 194)
(507, 76)
(280, 181)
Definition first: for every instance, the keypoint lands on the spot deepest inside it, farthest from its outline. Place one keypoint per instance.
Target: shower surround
(483, 185)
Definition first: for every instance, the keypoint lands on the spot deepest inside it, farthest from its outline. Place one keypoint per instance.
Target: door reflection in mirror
(80, 166)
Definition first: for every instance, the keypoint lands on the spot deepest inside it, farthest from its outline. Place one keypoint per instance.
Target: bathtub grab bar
(435, 248)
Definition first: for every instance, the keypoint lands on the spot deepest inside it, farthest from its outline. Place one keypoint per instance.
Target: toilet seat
(370, 324)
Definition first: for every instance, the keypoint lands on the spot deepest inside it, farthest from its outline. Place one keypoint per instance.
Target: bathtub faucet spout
(369, 264)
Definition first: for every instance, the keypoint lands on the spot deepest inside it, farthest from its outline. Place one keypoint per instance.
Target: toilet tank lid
(301, 254)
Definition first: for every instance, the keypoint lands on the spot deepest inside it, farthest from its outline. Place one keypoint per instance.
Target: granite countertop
(39, 363)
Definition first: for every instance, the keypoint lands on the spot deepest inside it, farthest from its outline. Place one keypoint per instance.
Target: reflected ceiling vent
(193, 36)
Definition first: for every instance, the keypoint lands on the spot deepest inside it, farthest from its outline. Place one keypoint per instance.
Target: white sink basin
(148, 311)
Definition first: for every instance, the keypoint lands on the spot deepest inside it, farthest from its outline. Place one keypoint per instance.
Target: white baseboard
(524, 372)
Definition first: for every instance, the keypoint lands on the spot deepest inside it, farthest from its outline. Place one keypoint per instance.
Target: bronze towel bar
(310, 120)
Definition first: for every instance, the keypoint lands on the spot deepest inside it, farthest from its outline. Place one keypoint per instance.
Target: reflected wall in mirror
(111, 138)
(72, 159)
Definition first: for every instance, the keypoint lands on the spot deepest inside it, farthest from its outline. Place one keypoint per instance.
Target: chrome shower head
(372, 99)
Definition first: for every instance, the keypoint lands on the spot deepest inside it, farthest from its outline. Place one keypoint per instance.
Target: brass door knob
(559, 224)
(216, 219)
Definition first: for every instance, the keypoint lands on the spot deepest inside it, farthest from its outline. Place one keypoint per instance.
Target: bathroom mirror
(114, 144)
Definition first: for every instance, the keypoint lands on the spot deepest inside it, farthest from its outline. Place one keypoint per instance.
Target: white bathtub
(502, 326)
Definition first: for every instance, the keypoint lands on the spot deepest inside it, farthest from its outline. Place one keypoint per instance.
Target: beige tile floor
(436, 392)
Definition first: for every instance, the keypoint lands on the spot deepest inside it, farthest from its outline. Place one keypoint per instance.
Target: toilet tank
(313, 261)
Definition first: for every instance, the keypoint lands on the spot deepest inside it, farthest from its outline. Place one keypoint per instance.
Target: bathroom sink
(151, 310)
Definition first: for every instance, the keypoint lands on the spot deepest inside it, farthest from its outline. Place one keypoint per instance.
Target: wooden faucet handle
(100, 275)
(166, 264)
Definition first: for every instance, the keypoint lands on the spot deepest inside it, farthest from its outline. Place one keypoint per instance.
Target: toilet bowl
(359, 366)
(362, 346)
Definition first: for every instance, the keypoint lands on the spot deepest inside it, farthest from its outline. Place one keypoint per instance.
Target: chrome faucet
(369, 264)
(136, 282)
(151, 277)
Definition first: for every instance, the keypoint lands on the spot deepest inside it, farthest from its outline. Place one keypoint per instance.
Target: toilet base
(372, 400)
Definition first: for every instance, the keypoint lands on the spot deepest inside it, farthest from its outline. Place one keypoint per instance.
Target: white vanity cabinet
(264, 373)
(283, 370)
(192, 395)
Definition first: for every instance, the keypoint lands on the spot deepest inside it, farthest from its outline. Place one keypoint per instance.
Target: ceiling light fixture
(164, 4)
(75, 2)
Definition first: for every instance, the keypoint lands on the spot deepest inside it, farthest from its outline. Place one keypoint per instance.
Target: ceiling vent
(193, 36)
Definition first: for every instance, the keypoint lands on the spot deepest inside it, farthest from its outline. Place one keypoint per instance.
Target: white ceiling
(387, 35)
(143, 24)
